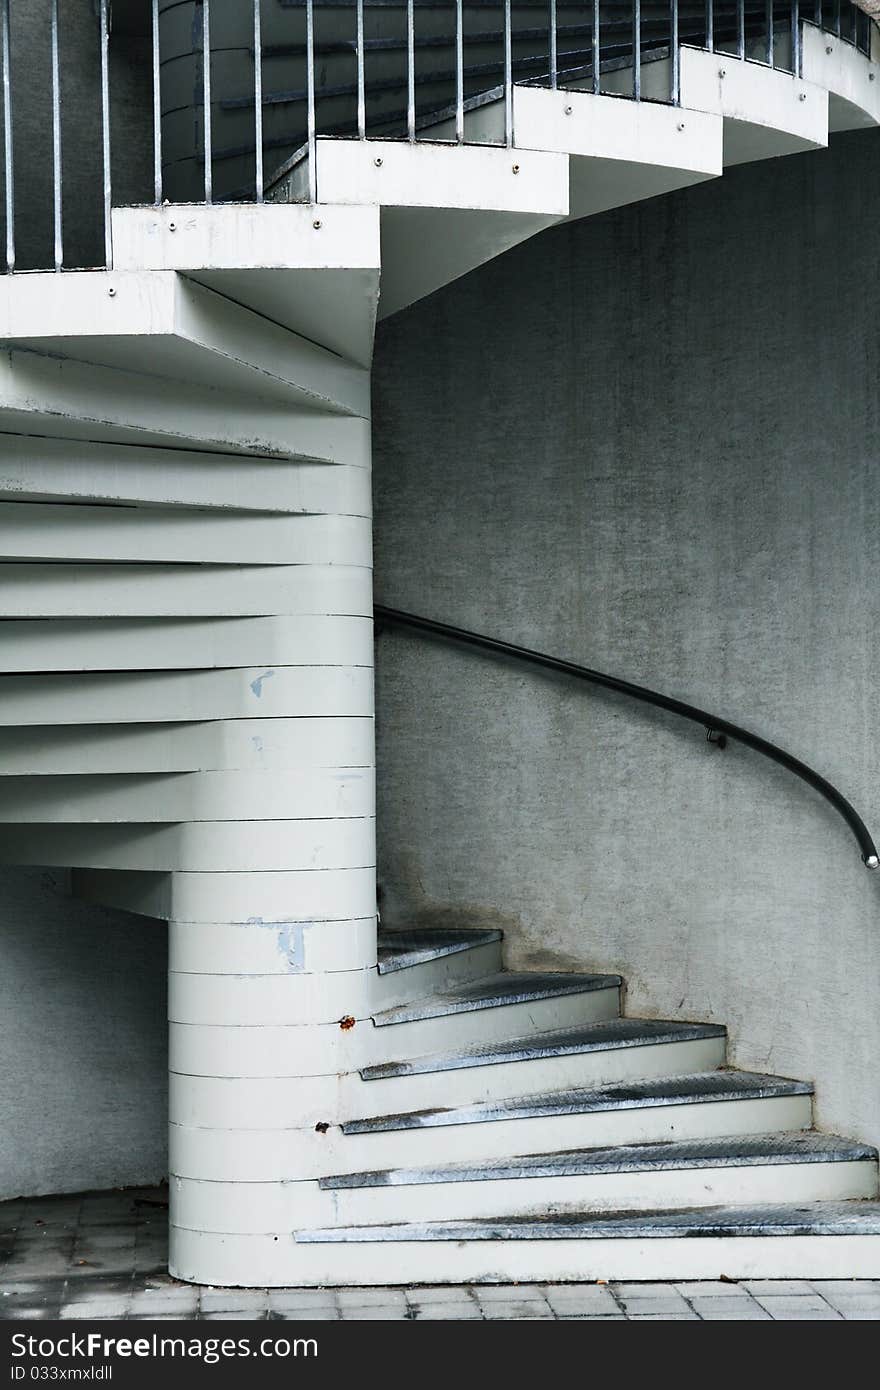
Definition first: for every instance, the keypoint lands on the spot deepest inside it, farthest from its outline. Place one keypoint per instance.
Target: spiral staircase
(186, 698)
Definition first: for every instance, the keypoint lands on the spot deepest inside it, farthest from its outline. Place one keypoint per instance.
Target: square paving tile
(797, 1306)
(301, 1298)
(777, 1286)
(451, 1312)
(717, 1309)
(527, 1308)
(659, 1304)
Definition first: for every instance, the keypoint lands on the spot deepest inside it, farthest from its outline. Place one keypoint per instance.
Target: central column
(273, 946)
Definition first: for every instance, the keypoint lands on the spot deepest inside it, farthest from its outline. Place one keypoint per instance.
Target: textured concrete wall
(650, 443)
(82, 1037)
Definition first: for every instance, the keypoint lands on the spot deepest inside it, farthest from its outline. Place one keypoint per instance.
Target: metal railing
(224, 96)
(717, 730)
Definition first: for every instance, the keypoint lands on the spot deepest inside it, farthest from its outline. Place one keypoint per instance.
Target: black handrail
(721, 729)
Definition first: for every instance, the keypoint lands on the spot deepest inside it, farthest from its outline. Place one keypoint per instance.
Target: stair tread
(860, 1218)
(400, 949)
(726, 1152)
(671, 1090)
(590, 1037)
(507, 987)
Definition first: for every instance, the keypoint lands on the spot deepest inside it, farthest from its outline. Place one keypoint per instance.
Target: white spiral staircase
(186, 719)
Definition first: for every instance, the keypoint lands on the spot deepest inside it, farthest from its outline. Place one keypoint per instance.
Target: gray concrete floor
(102, 1255)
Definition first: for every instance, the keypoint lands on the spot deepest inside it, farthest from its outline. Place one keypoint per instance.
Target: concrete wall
(82, 1038)
(650, 443)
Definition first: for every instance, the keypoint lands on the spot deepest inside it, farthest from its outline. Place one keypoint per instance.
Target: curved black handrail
(721, 728)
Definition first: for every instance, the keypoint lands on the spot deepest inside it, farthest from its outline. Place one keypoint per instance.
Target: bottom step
(812, 1219)
(820, 1240)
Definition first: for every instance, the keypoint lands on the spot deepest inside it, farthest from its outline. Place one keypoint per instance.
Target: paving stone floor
(102, 1255)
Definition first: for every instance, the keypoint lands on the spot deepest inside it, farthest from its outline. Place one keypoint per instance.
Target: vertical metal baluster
(157, 110)
(258, 102)
(361, 73)
(410, 70)
(597, 49)
(817, 14)
(508, 75)
(459, 71)
(740, 28)
(105, 136)
(770, 35)
(206, 93)
(710, 26)
(637, 49)
(796, 38)
(57, 175)
(675, 56)
(310, 102)
(7, 138)
(554, 60)
(836, 20)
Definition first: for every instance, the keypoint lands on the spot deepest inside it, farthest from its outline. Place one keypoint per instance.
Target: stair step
(750, 1150)
(860, 1218)
(482, 1007)
(663, 1091)
(595, 1037)
(432, 961)
(763, 1240)
(399, 950)
(505, 988)
(710, 1167)
(693, 1107)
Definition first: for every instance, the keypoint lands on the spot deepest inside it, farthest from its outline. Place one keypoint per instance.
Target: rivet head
(568, 110)
(802, 96)
(871, 76)
(515, 168)
(378, 161)
(681, 125)
(172, 226)
(111, 292)
(722, 72)
(317, 224)
(829, 49)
